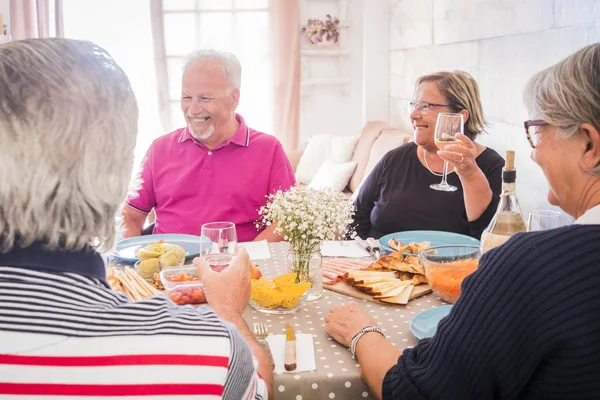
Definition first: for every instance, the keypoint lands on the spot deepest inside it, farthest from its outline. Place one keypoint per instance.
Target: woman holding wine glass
(398, 194)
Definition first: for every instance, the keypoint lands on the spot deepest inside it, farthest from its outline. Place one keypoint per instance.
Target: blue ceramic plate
(425, 323)
(125, 250)
(436, 238)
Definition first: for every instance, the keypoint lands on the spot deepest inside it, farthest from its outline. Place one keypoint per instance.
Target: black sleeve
(368, 194)
(479, 346)
(493, 173)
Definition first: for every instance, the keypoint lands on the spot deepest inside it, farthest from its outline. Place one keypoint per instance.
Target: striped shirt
(65, 333)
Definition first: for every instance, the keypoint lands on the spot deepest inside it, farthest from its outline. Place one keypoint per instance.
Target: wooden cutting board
(343, 288)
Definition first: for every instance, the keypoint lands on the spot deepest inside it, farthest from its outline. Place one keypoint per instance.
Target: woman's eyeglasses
(532, 133)
(423, 107)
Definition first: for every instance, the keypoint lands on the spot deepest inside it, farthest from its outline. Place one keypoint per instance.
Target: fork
(260, 330)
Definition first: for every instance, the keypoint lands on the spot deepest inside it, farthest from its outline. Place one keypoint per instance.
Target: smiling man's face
(207, 100)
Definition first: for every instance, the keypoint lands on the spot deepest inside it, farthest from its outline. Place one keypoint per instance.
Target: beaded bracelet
(359, 334)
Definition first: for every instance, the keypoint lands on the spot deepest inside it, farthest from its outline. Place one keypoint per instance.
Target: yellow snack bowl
(280, 296)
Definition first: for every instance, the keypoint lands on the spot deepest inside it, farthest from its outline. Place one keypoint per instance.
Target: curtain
(286, 27)
(36, 19)
(270, 59)
(160, 62)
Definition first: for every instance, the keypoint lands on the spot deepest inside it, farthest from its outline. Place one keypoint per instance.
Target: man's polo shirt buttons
(210, 153)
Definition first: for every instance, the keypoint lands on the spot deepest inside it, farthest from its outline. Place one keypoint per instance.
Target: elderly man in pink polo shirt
(216, 168)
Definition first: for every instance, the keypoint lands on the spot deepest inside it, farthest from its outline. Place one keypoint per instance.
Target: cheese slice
(373, 279)
(381, 289)
(377, 286)
(401, 298)
(393, 292)
(359, 274)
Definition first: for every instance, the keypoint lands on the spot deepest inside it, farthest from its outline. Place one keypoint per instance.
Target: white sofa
(373, 142)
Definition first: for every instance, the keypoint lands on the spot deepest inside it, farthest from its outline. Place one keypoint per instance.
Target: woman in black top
(396, 195)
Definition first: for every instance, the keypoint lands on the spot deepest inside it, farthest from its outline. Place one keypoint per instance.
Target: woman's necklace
(427, 165)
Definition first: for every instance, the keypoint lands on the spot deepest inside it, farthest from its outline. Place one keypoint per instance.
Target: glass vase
(307, 267)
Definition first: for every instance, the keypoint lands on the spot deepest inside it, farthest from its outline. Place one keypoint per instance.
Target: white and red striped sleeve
(243, 380)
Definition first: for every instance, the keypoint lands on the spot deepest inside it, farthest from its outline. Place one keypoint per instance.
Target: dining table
(337, 374)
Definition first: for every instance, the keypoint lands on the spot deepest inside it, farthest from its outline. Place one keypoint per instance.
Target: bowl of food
(156, 256)
(282, 295)
(447, 266)
(183, 285)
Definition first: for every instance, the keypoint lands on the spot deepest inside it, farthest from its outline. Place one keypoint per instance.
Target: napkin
(305, 352)
(342, 248)
(257, 250)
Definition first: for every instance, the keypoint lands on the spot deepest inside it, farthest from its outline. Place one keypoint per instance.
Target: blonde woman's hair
(229, 63)
(567, 94)
(462, 93)
(68, 125)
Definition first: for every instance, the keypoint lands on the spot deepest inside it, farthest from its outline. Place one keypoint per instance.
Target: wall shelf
(325, 52)
(341, 55)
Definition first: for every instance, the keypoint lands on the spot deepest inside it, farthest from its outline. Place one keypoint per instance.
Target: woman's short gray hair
(567, 94)
(230, 65)
(68, 125)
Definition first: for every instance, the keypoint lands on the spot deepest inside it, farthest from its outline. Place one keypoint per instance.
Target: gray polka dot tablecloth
(337, 375)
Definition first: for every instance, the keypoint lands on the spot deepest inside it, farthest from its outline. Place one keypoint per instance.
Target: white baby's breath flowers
(306, 217)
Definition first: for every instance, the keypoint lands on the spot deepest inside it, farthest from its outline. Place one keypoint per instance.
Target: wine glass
(541, 220)
(218, 244)
(446, 128)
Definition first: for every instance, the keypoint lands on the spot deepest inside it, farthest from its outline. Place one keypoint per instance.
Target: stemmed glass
(541, 220)
(446, 128)
(218, 244)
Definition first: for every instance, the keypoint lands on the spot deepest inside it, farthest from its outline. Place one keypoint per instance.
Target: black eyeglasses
(532, 134)
(423, 107)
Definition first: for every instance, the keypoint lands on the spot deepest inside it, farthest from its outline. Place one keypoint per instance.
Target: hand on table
(342, 322)
(227, 291)
(461, 157)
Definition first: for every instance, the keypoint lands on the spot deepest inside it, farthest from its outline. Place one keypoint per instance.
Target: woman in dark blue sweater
(527, 324)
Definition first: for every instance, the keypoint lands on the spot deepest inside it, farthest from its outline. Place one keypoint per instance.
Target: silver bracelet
(359, 334)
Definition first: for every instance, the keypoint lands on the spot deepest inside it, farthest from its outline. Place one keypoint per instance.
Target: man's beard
(202, 135)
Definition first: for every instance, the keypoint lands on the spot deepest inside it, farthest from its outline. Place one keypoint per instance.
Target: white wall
(327, 109)
(501, 43)
(5, 10)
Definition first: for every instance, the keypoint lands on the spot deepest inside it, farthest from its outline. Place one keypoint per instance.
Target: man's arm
(228, 292)
(133, 221)
(269, 234)
(265, 362)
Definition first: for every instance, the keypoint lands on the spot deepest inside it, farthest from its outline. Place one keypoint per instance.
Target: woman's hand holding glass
(461, 156)
(218, 244)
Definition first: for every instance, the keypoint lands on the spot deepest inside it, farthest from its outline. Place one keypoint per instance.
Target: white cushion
(387, 141)
(333, 175)
(321, 148)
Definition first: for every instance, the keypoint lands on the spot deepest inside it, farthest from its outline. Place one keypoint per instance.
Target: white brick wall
(501, 43)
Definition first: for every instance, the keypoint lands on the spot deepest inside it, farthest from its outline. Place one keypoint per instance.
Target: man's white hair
(230, 65)
(68, 125)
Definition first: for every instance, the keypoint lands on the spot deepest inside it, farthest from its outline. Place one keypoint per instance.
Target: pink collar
(241, 137)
